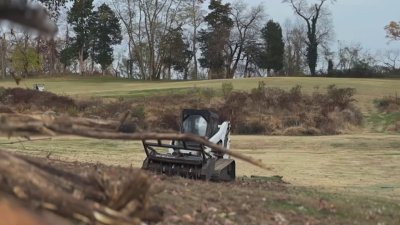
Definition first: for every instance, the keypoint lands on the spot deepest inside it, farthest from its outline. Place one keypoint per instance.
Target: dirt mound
(26, 99)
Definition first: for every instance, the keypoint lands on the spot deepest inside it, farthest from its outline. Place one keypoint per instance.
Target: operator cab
(199, 122)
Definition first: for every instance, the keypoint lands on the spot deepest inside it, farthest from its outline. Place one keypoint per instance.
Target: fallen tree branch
(155, 136)
(87, 128)
(27, 140)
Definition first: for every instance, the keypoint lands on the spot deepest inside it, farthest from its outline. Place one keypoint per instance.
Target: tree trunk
(3, 56)
(81, 61)
(52, 56)
(246, 67)
(195, 69)
(312, 57)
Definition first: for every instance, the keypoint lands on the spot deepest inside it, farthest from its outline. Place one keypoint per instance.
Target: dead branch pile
(99, 195)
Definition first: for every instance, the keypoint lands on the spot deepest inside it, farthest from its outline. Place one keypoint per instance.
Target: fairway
(362, 164)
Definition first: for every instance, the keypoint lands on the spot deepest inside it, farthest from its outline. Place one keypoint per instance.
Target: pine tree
(274, 46)
(105, 32)
(214, 39)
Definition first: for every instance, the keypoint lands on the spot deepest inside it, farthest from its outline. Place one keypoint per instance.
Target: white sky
(355, 21)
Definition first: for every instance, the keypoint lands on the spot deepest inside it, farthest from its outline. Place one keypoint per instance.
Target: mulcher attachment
(188, 159)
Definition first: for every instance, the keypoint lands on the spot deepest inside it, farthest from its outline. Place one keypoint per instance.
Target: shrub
(264, 110)
(389, 113)
(340, 97)
(170, 120)
(250, 128)
(388, 104)
(299, 131)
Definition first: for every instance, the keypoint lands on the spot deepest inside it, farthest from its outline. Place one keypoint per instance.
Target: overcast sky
(355, 21)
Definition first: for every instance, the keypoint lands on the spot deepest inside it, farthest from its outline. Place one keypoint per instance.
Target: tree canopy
(393, 30)
(26, 60)
(95, 33)
(105, 32)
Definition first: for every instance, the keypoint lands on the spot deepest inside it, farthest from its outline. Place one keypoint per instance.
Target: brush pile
(32, 189)
(44, 191)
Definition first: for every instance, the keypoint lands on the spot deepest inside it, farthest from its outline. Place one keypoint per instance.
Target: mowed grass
(367, 89)
(366, 164)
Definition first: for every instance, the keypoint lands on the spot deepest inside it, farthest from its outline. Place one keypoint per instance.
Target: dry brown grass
(264, 110)
(365, 163)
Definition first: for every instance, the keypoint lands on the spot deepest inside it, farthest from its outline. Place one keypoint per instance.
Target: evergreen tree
(96, 32)
(177, 53)
(78, 17)
(274, 46)
(105, 32)
(215, 38)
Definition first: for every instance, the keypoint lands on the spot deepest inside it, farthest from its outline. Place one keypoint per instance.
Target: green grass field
(364, 162)
(367, 89)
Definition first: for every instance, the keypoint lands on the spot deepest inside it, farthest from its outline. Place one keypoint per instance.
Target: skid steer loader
(189, 159)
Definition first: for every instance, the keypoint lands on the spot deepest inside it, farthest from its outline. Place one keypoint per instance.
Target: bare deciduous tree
(247, 24)
(146, 23)
(312, 14)
(294, 37)
(194, 14)
(392, 58)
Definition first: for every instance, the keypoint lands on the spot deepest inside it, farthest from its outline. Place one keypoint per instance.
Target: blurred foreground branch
(28, 125)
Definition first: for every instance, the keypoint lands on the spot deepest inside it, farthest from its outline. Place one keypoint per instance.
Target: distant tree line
(179, 39)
